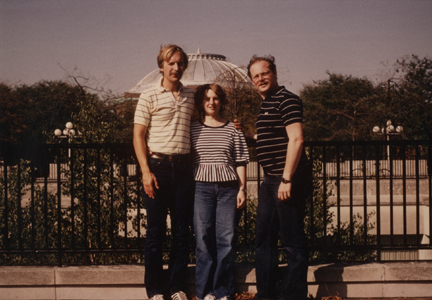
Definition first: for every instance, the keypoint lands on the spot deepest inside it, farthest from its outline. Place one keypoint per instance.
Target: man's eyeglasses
(258, 77)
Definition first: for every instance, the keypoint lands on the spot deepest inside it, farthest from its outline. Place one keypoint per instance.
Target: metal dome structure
(203, 68)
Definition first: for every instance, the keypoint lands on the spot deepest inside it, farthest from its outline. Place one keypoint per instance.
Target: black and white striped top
(217, 151)
(278, 110)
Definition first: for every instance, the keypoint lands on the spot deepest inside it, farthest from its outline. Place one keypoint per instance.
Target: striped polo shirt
(217, 151)
(279, 109)
(167, 120)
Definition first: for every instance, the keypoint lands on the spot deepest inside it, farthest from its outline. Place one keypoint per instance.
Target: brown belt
(169, 158)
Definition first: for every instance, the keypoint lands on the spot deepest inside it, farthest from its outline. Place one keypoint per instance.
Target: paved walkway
(403, 280)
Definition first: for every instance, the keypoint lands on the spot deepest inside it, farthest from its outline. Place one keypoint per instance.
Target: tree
(101, 116)
(32, 113)
(412, 103)
(96, 182)
(344, 107)
(29, 115)
(244, 105)
(35, 111)
(95, 176)
(12, 115)
(243, 101)
(339, 108)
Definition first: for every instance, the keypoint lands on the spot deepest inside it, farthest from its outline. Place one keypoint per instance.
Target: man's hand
(142, 153)
(150, 183)
(238, 125)
(251, 136)
(284, 192)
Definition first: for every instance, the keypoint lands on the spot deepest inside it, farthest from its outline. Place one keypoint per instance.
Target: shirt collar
(275, 91)
(163, 90)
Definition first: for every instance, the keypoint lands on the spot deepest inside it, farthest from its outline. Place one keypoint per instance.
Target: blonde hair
(167, 51)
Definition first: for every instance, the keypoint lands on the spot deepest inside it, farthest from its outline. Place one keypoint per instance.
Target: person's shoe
(179, 296)
(210, 297)
(157, 297)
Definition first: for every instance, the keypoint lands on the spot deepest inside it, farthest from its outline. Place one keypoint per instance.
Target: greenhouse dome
(203, 68)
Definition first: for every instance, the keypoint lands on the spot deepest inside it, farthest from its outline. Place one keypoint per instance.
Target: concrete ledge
(100, 275)
(372, 280)
(24, 276)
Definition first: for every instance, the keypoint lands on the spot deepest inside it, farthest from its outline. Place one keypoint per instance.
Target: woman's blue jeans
(285, 219)
(215, 224)
(175, 195)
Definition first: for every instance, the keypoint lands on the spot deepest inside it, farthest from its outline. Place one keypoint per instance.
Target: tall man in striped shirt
(286, 186)
(162, 126)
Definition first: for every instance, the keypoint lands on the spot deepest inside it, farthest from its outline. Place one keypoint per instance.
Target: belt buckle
(157, 156)
(171, 158)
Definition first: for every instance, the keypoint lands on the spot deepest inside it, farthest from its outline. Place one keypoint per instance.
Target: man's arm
(294, 150)
(140, 147)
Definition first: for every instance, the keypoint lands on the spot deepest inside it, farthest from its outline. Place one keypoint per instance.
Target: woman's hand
(241, 199)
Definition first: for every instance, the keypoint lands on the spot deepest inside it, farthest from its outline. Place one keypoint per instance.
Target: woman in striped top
(220, 157)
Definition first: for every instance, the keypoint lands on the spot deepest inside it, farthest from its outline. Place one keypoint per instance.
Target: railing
(332, 169)
(394, 206)
(372, 201)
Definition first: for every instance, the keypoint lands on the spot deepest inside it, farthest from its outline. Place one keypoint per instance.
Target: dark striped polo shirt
(278, 110)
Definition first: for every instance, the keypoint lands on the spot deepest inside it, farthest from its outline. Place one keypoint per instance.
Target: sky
(116, 42)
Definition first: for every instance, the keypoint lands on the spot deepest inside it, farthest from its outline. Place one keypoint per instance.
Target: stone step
(388, 280)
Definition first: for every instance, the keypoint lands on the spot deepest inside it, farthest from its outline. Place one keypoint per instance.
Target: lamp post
(67, 133)
(387, 131)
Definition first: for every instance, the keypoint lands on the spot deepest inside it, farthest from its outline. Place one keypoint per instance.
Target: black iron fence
(83, 204)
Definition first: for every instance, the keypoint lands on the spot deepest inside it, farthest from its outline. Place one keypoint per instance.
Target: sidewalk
(402, 280)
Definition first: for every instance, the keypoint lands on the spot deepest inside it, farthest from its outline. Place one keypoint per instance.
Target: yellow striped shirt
(167, 120)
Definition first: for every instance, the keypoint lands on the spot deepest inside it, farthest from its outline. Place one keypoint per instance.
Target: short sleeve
(241, 151)
(291, 110)
(143, 110)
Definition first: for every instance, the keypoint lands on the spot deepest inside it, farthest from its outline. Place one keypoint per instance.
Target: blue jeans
(286, 219)
(215, 224)
(175, 194)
